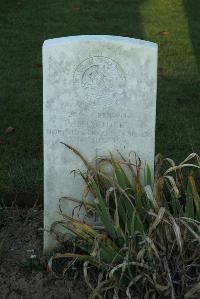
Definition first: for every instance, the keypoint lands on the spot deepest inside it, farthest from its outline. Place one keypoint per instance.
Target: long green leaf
(102, 210)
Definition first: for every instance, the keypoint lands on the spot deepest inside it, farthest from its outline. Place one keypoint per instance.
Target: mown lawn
(25, 24)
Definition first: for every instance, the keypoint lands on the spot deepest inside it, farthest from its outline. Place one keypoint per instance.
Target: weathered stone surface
(99, 96)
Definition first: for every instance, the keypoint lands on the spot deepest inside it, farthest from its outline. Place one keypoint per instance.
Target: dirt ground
(23, 269)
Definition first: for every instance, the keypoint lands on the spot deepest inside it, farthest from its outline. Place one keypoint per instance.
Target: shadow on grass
(177, 121)
(114, 17)
(179, 83)
(192, 12)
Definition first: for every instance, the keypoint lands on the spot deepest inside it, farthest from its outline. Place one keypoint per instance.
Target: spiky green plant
(148, 242)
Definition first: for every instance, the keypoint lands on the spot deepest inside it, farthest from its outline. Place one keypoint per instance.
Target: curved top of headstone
(100, 38)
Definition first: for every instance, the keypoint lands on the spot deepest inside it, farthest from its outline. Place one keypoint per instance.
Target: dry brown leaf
(164, 33)
(10, 130)
(76, 8)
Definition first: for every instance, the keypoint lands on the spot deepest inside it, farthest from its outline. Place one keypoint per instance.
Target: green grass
(25, 24)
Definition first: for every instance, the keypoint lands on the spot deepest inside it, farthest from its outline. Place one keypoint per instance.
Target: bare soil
(23, 268)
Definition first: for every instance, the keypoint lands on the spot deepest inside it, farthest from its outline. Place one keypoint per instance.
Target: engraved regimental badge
(99, 78)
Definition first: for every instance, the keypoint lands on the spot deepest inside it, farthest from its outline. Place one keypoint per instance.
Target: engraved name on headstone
(99, 96)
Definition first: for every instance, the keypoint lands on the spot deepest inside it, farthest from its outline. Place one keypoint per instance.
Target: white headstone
(99, 96)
